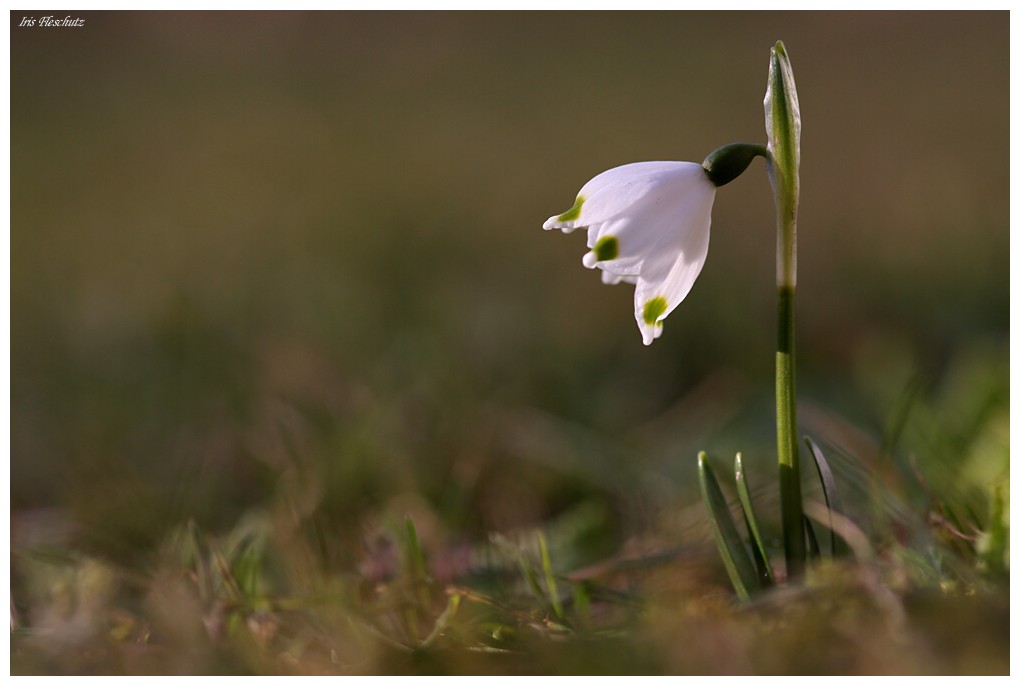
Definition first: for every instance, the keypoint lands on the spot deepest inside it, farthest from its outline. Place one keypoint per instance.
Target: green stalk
(786, 437)
(782, 123)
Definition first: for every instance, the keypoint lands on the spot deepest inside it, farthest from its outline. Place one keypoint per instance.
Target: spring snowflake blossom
(648, 224)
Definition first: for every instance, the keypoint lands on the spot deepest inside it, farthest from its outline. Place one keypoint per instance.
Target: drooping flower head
(648, 224)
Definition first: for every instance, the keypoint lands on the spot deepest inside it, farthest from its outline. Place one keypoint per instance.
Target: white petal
(671, 276)
(616, 191)
(649, 223)
(648, 236)
(650, 244)
(611, 279)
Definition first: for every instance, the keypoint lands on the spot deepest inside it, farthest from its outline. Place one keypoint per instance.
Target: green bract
(782, 124)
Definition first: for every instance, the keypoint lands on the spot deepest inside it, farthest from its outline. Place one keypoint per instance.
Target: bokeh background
(291, 265)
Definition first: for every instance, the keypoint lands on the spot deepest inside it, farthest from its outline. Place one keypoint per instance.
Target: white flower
(648, 224)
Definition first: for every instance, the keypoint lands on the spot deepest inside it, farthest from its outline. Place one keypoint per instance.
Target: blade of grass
(761, 558)
(415, 559)
(550, 579)
(829, 490)
(230, 596)
(416, 564)
(226, 575)
(582, 604)
(202, 574)
(901, 412)
(735, 558)
(443, 620)
(814, 551)
(531, 577)
(246, 566)
(855, 539)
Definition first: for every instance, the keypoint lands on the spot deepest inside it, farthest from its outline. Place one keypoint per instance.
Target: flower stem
(786, 436)
(782, 124)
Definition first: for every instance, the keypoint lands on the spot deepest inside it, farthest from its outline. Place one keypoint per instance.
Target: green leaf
(761, 558)
(829, 490)
(735, 558)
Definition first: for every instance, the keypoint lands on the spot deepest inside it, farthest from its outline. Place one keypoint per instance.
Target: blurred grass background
(290, 265)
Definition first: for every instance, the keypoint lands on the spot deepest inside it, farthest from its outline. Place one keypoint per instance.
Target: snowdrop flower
(648, 224)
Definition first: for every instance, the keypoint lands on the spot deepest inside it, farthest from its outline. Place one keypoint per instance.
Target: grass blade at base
(829, 490)
(731, 547)
(761, 558)
(814, 551)
(415, 558)
(550, 579)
